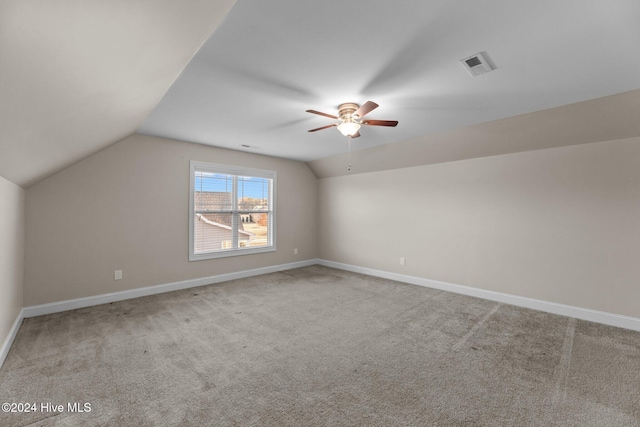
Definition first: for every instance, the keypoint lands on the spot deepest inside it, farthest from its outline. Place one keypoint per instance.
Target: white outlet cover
(117, 275)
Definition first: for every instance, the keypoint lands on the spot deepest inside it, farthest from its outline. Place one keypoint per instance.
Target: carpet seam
(475, 327)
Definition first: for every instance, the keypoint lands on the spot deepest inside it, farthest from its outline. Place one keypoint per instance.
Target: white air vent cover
(477, 64)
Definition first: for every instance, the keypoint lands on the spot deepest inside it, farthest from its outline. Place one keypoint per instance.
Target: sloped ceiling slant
(78, 75)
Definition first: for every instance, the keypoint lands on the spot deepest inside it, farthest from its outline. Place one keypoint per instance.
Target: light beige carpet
(317, 346)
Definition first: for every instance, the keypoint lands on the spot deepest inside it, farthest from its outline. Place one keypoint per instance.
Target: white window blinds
(231, 210)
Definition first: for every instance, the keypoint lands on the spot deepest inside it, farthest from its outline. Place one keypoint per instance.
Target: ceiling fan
(350, 116)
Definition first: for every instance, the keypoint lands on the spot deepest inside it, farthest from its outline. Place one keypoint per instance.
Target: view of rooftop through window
(232, 212)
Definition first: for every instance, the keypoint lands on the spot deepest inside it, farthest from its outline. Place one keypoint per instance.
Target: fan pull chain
(349, 168)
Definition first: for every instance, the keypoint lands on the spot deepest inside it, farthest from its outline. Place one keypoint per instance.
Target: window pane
(212, 232)
(213, 192)
(253, 193)
(256, 223)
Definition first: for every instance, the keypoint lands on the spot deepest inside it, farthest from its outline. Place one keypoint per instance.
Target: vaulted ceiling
(80, 75)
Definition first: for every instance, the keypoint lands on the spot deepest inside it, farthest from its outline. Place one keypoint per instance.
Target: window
(231, 211)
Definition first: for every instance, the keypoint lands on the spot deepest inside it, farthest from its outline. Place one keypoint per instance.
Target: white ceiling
(272, 60)
(78, 75)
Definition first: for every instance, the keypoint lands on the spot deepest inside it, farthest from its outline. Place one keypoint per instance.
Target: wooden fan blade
(323, 127)
(365, 109)
(392, 123)
(320, 113)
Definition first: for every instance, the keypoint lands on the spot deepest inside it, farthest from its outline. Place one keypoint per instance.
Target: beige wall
(12, 202)
(126, 208)
(559, 225)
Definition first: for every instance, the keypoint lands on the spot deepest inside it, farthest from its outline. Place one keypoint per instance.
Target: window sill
(230, 253)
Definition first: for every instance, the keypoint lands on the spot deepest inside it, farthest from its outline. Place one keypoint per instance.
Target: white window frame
(237, 171)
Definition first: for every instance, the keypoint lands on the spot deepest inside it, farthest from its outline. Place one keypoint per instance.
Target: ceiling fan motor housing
(346, 110)
(350, 122)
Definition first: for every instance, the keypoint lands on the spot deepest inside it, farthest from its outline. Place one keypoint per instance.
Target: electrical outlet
(117, 275)
(295, 251)
(403, 261)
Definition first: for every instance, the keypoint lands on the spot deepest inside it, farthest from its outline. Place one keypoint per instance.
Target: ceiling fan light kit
(349, 127)
(350, 118)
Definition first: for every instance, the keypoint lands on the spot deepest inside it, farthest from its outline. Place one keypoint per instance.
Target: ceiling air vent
(477, 64)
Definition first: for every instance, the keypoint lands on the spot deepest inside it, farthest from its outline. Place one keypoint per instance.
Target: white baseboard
(8, 342)
(611, 319)
(549, 307)
(56, 307)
